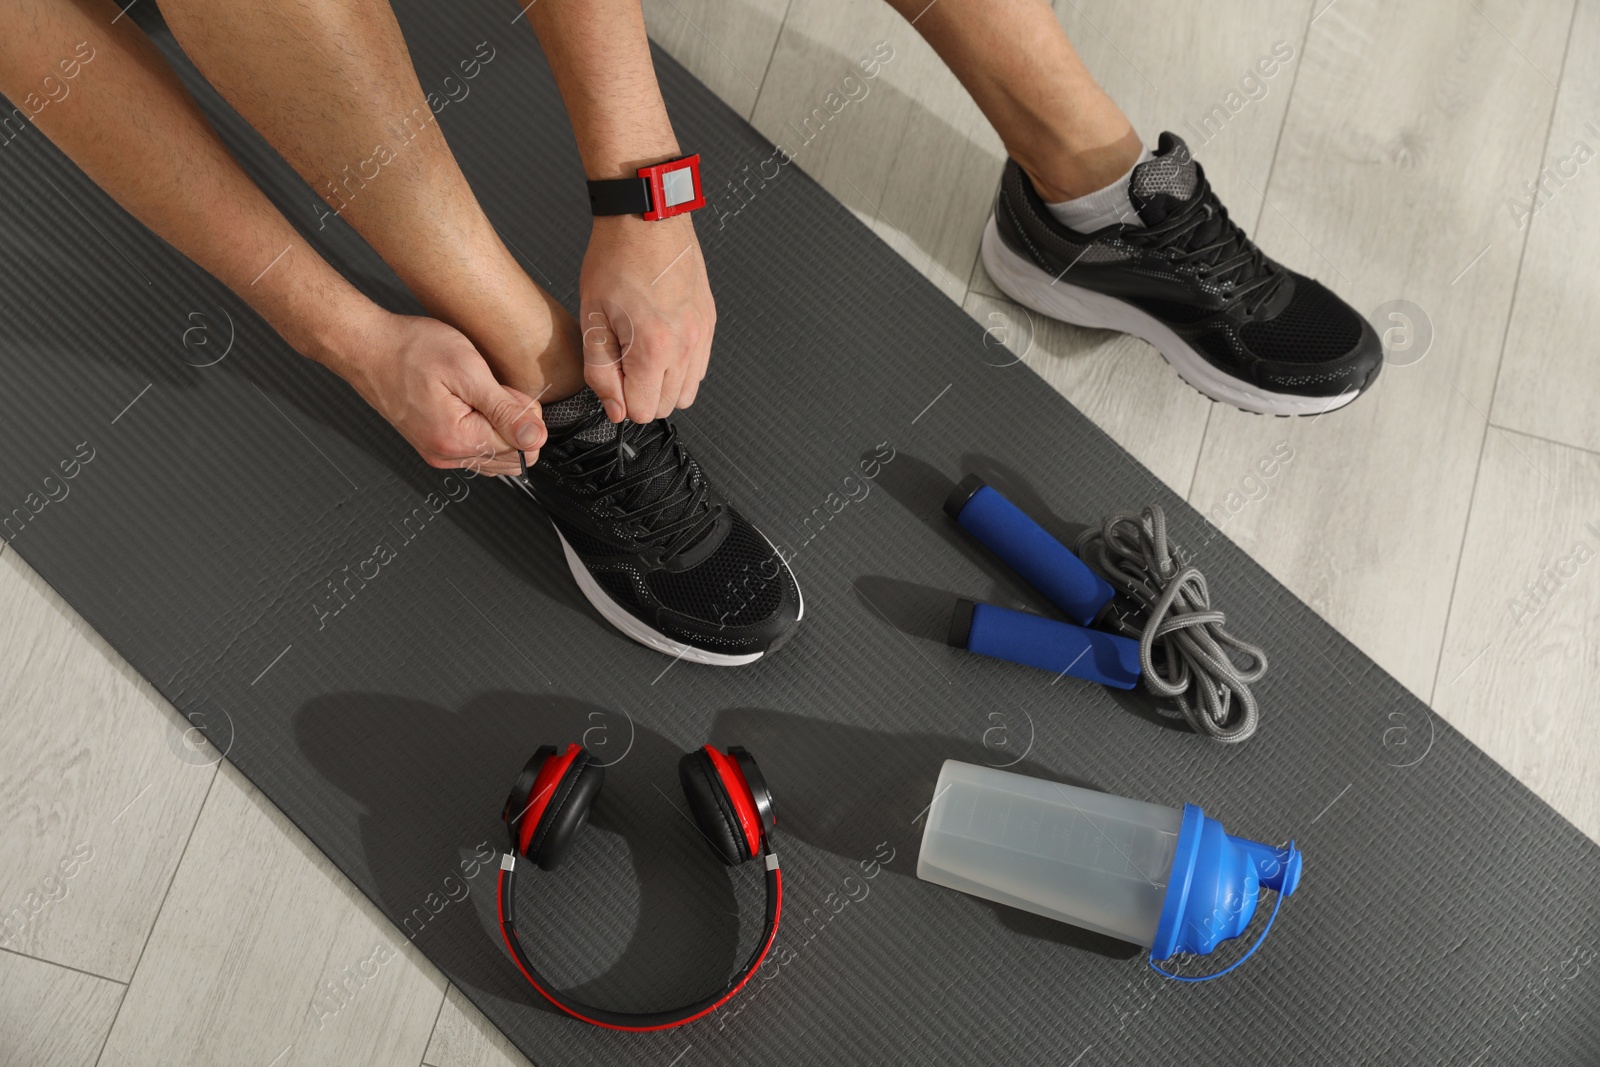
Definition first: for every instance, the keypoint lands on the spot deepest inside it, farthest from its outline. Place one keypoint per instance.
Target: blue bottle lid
(1215, 883)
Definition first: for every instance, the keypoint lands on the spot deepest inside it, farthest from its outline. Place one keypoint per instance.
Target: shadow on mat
(641, 916)
(893, 778)
(920, 488)
(923, 612)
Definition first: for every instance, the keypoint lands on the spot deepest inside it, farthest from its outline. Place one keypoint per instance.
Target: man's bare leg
(1016, 61)
(327, 82)
(130, 125)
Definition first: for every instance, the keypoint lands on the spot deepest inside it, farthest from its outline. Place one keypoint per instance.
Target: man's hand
(432, 385)
(644, 305)
(647, 316)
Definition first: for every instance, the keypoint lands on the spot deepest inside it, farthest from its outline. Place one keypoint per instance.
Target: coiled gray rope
(1197, 668)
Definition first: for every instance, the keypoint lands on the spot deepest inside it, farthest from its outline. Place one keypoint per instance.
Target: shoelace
(1133, 554)
(620, 471)
(1201, 231)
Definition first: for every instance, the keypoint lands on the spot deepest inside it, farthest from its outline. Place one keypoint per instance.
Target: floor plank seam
(62, 966)
(434, 1029)
(1546, 440)
(1499, 363)
(1261, 210)
(165, 896)
(777, 39)
(1283, 123)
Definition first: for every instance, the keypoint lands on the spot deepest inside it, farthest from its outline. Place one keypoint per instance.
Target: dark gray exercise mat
(217, 537)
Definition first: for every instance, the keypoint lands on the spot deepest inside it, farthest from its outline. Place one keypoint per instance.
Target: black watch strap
(619, 196)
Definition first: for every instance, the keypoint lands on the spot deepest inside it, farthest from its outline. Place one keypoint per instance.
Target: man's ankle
(537, 352)
(1066, 172)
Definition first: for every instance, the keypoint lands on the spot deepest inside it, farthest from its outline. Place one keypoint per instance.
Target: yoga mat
(226, 493)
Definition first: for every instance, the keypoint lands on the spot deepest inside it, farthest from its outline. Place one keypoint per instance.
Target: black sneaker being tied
(658, 552)
(1237, 326)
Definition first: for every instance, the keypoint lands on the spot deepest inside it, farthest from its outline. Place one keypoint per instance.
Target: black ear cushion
(713, 811)
(566, 813)
(517, 803)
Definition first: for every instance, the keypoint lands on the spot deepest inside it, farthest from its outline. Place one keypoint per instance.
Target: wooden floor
(1448, 523)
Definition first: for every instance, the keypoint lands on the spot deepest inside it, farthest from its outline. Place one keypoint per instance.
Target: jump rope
(1140, 614)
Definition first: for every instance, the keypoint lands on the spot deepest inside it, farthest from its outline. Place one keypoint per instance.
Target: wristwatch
(659, 191)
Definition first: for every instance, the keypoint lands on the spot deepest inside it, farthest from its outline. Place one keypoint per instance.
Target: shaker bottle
(1167, 878)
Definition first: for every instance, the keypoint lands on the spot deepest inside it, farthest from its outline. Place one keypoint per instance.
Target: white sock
(1103, 207)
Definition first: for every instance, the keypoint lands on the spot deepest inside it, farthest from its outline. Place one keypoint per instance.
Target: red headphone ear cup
(712, 807)
(566, 813)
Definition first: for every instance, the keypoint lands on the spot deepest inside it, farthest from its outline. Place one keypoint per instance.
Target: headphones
(731, 805)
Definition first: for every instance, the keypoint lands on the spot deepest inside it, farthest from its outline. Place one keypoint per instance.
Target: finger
(475, 466)
(602, 364)
(492, 455)
(478, 463)
(513, 416)
(529, 416)
(696, 373)
(502, 464)
(671, 386)
(691, 389)
(642, 388)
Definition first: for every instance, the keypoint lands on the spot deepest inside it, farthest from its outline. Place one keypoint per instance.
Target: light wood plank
(1523, 648)
(1118, 381)
(257, 928)
(100, 787)
(1549, 384)
(51, 1016)
(1170, 68)
(464, 1038)
(907, 151)
(1390, 186)
(726, 45)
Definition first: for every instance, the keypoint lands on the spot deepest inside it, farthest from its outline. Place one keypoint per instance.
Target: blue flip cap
(1215, 882)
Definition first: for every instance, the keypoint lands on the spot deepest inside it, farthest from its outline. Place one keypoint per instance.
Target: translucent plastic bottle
(1166, 878)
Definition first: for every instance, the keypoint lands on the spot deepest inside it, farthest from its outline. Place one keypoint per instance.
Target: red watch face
(674, 187)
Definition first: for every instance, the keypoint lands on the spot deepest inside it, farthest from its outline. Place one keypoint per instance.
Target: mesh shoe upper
(639, 512)
(1194, 269)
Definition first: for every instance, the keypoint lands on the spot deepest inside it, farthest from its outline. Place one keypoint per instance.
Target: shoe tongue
(1171, 182)
(1165, 183)
(563, 413)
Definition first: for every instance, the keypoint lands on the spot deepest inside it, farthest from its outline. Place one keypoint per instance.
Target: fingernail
(529, 435)
(614, 410)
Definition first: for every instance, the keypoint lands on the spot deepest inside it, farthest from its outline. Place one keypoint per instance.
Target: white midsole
(1025, 283)
(634, 627)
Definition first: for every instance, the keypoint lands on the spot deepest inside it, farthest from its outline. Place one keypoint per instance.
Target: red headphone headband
(637, 1021)
(754, 818)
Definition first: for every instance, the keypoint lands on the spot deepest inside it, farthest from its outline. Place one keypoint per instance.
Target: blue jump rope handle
(1034, 641)
(1046, 563)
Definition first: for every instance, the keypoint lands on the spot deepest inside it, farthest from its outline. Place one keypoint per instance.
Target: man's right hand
(433, 386)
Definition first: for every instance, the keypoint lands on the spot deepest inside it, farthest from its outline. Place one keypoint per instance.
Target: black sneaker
(1237, 326)
(658, 552)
